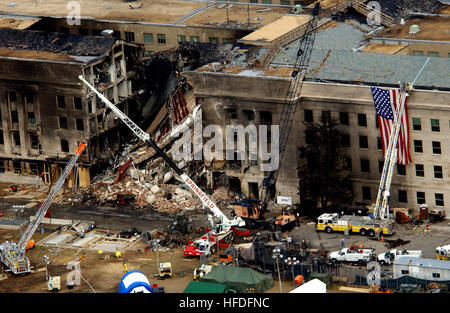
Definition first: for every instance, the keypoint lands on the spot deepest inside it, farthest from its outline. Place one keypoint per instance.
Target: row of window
(401, 169)
(402, 196)
(61, 102)
(430, 53)
(79, 124)
(34, 139)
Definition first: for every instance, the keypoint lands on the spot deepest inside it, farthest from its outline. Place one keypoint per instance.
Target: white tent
(313, 286)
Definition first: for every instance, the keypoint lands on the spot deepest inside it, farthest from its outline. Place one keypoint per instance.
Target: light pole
(47, 262)
(275, 255)
(292, 262)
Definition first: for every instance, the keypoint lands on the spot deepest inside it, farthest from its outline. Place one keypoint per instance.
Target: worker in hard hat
(118, 253)
(125, 267)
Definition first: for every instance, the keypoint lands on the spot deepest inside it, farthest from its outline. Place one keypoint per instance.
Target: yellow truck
(363, 225)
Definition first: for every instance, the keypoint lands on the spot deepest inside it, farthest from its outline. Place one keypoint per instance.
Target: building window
(365, 166)
(420, 197)
(181, 38)
(308, 116)
(253, 1)
(194, 39)
(345, 140)
(266, 1)
(362, 120)
(402, 196)
(227, 41)
(405, 272)
(436, 275)
(418, 53)
(366, 194)
(80, 124)
(12, 96)
(83, 31)
(129, 36)
(16, 137)
(417, 125)
(380, 166)
(77, 103)
(34, 141)
(436, 147)
(116, 34)
(379, 143)
(433, 54)
(435, 126)
(61, 101)
(31, 119)
(148, 38)
(265, 117)
(326, 114)
(418, 146)
(213, 40)
(363, 142)
(285, 2)
(343, 118)
(14, 116)
(161, 39)
(64, 145)
(62, 122)
(420, 172)
(250, 114)
(232, 114)
(439, 199)
(438, 171)
(376, 123)
(401, 169)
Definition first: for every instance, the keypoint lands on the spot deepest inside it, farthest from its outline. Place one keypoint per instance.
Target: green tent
(204, 287)
(243, 279)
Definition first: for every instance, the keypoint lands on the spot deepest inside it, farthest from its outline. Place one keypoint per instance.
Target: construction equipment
(181, 224)
(209, 243)
(363, 225)
(223, 224)
(291, 100)
(13, 255)
(165, 270)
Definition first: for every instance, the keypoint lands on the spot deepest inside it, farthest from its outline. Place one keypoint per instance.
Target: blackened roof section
(77, 45)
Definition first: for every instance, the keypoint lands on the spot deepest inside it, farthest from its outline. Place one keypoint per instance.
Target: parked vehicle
(363, 225)
(360, 256)
(208, 243)
(165, 270)
(443, 253)
(389, 257)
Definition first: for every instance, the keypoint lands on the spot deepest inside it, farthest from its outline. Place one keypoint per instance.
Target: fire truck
(209, 243)
(363, 225)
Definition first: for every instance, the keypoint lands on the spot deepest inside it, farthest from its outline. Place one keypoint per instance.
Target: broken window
(438, 171)
(363, 142)
(439, 199)
(129, 36)
(380, 166)
(345, 140)
(308, 116)
(402, 196)
(148, 37)
(194, 39)
(161, 39)
(420, 197)
(266, 117)
(77, 103)
(181, 38)
(64, 145)
(28, 99)
(34, 141)
(366, 195)
(62, 122)
(16, 137)
(343, 118)
(14, 116)
(12, 96)
(31, 119)
(80, 124)
(61, 101)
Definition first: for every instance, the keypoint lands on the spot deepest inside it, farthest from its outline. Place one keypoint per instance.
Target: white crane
(12, 254)
(224, 223)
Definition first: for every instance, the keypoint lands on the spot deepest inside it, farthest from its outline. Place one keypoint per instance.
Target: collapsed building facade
(45, 110)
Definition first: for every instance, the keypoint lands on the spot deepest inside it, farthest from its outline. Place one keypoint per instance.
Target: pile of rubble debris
(402, 8)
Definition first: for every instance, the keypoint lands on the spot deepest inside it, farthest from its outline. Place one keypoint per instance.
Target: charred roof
(75, 45)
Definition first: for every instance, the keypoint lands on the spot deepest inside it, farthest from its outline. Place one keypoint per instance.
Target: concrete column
(22, 126)
(6, 125)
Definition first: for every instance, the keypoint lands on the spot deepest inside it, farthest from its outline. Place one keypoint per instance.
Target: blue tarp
(134, 280)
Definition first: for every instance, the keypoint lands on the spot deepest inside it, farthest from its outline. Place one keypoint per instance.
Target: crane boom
(141, 134)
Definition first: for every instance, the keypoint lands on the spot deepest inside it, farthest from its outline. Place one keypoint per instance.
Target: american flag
(386, 102)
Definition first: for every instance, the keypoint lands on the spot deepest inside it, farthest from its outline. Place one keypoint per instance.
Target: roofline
(406, 40)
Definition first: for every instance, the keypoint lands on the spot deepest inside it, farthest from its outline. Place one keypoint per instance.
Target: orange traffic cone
(362, 245)
(382, 239)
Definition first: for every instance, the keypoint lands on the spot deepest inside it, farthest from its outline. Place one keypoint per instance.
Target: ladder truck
(252, 210)
(12, 254)
(381, 210)
(220, 222)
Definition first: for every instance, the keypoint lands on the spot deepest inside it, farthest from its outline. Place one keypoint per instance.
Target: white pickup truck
(389, 257)
(361, 256)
